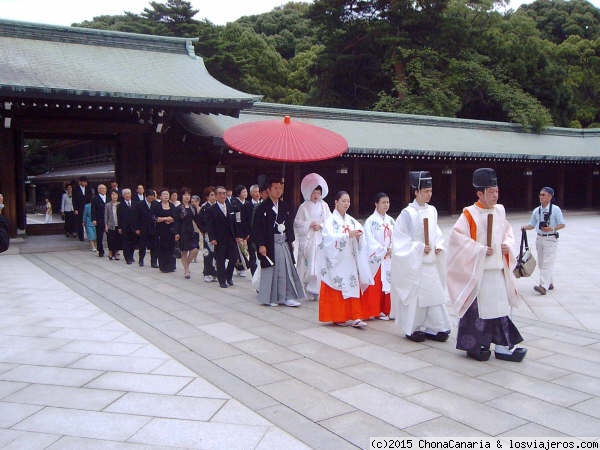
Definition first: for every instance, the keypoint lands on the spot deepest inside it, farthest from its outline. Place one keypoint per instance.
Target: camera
(544, 223)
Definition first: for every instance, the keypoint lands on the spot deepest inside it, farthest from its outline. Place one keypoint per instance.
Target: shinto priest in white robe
(418, 287)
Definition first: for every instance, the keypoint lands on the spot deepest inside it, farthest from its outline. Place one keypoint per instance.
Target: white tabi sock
(503, 349)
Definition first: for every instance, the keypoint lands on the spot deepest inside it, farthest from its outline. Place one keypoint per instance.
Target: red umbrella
(285, 140)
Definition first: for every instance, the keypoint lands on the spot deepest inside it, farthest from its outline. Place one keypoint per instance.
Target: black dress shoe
(154, 266)
(141, 263)
(223, 285)
(479, 355)
(129, 262)
(550, 287)
(540, 289)
(516, 356)
(442, 336)
(417, 336)
(230, 282)
(101, 255)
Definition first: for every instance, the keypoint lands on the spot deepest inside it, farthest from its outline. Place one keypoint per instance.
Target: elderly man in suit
(126, 215)
(223, 234)
(145, 229)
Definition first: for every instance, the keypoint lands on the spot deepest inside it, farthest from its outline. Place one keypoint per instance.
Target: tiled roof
(84, 64)
(389, 134)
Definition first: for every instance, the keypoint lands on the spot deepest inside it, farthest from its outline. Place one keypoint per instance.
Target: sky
(66, 12)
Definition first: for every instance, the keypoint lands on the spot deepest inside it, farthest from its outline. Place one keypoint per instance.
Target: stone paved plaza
(96, 354)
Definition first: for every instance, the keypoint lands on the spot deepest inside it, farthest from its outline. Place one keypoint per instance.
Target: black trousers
(70, 222)
(129, 244)
(78, 222)
(226, 250)
(99, 239)
(148, 242)
(252, 252)
(209, 259)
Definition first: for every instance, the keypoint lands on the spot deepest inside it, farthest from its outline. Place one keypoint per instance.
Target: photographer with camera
(546, 219)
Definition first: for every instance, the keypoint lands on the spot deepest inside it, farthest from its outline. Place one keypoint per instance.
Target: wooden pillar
(589, 194)
(296, 194)
(561, 187)
(157, 168)
(408, 193)
(8, 177)
(452, 207)
(356, 187)
(529, 200)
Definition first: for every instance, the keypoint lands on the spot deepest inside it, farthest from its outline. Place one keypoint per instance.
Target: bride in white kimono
(309, 221)
(345, 268)
(418, 268)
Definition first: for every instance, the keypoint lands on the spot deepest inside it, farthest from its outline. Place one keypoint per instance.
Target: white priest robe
(378, 233)
(344, 260)
(308, 242)
(471, 274)
(418, 288)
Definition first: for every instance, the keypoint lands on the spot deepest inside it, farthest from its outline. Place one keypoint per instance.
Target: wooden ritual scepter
(490, 224)
(426, 230)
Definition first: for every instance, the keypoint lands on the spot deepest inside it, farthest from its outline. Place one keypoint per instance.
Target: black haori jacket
(264, 229)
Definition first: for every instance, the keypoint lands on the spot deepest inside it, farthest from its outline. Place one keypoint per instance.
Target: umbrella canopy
(285, 140)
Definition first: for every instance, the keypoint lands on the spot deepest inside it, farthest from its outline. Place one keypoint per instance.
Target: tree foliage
(537, 66)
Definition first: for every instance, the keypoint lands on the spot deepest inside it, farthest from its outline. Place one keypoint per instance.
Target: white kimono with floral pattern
(344, 260)
(308, 241)
(378, 231)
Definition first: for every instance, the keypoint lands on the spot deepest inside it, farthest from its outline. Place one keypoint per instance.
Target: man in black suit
(126, 218)
(145, 229)
(82, 194)
(98, 211)
(222, 234)
(139, 194)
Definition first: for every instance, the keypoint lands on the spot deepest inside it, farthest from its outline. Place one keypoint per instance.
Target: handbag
(525, 261)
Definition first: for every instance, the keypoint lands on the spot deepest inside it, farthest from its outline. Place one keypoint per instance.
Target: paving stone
(167, 406)
(324, 354)
(8, 387)
(118, 363)
(31, 441)
(388, 358)
(358, 426)
(227, 332)
(235, 413)
(192, 434)
(12, 413)
(307, 400)
(277, 439)
(202, 388)
(546, 414)
(583, 383)
(532, 429)
(388, 380)
(318, 375)
(590, 407)
(50, 375)
(134, 382)
(443, 426)
(479, 416)
(172, 367)
(456, 382)
(533, 387)
(91, 424)
(573, 364)
(384, 406)
(65, 397)
(251, 370)
(267, 351)
(101, 348)
(328, 335)
(75, 443)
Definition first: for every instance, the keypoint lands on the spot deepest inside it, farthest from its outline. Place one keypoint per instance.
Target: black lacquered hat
(484, 178)
(420, 179)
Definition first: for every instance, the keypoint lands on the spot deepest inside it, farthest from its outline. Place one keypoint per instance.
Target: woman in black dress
(164, 214)
(185, 225)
